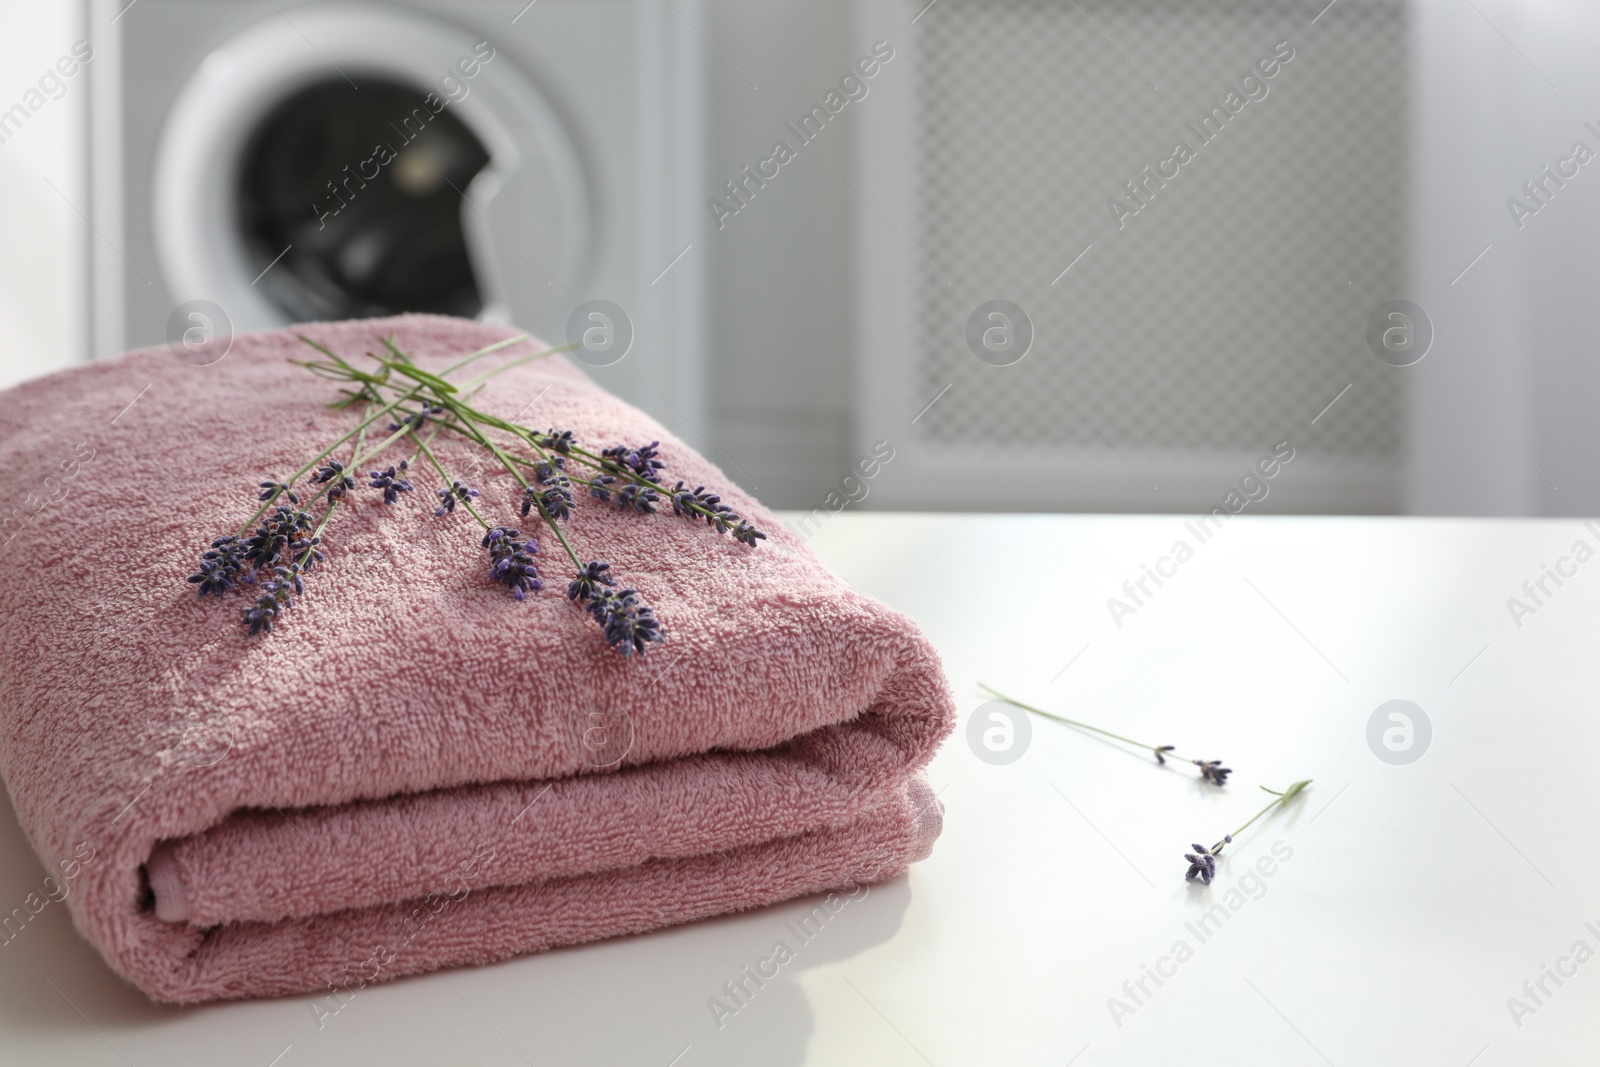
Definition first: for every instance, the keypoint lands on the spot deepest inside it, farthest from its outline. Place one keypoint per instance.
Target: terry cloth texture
(416, 770)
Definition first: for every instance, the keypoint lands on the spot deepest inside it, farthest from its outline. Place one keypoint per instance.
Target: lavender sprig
(287, 532)
(620, 463)
(280, 543)
(1210, 770)
(1203, 861)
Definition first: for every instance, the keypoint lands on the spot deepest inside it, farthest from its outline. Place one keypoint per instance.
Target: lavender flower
(599, 486)
(684, 500)
(558, 502)
(305, 553)
(555, 440)
(416, 421)
(277, 596)
(276, 532)
(220, 566)
(640, 461)
(333, 471)
(717, 515)
(1160, 758)
(1212, 771)
(455, 493)
(511, 561)
(273, 490)
(392, 482)
(637, 497)
(628, 624)
(1202, 864)
(589, 580)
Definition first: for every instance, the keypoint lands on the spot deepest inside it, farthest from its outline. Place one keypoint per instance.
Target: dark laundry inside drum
(363, 186)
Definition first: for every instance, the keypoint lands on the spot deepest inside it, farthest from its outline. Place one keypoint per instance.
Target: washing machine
(537, 163)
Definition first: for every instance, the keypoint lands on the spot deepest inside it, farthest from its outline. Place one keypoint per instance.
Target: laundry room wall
(41, 188)
(781, 297)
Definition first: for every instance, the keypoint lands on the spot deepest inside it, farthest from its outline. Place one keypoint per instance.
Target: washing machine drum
(384, 234)
(363, 161)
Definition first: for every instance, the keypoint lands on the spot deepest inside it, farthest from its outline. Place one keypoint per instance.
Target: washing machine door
(364, 161)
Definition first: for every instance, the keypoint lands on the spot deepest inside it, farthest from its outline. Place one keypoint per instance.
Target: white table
(1417, 900)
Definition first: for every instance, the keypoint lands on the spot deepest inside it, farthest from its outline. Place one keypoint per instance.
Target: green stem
(1164, 753)
(318, 458)
(361, 438)
(488, 349)
(388, 343)
(357, 461)
(459, 410)
(317, 530)
(519, 361)
(583, 456)
(422, 446)
(469, 421)
(1279, 800)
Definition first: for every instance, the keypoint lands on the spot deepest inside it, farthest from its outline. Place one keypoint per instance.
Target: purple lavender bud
(415, 421)
(277, 596)
(220, 566)
(640, 461)
(511, 561)
(747, 534)
(589, 581)
(273, 490)
(555, 440)
(305, 553)
(333, 471)
(637, 497)
(455, 493)
(277, 530)
(1202, 864)
(392, 482)
(628, 625)
(558, 502)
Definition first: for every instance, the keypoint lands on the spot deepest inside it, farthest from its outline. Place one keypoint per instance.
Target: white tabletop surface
(1415, 901)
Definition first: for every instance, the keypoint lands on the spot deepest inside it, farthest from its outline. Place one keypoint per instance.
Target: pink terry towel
(416, 770)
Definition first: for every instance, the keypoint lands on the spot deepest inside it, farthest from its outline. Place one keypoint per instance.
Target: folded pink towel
(416, 770)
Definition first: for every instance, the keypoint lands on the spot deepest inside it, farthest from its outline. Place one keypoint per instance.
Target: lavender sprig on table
(1203, 861)
(277, 546)
(1210, 770)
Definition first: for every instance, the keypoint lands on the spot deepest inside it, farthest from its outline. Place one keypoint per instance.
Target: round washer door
(364, 161)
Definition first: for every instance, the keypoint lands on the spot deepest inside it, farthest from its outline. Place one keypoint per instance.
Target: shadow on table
(642, 999)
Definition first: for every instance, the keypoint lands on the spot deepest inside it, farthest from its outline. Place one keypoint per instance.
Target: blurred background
(967, 254)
